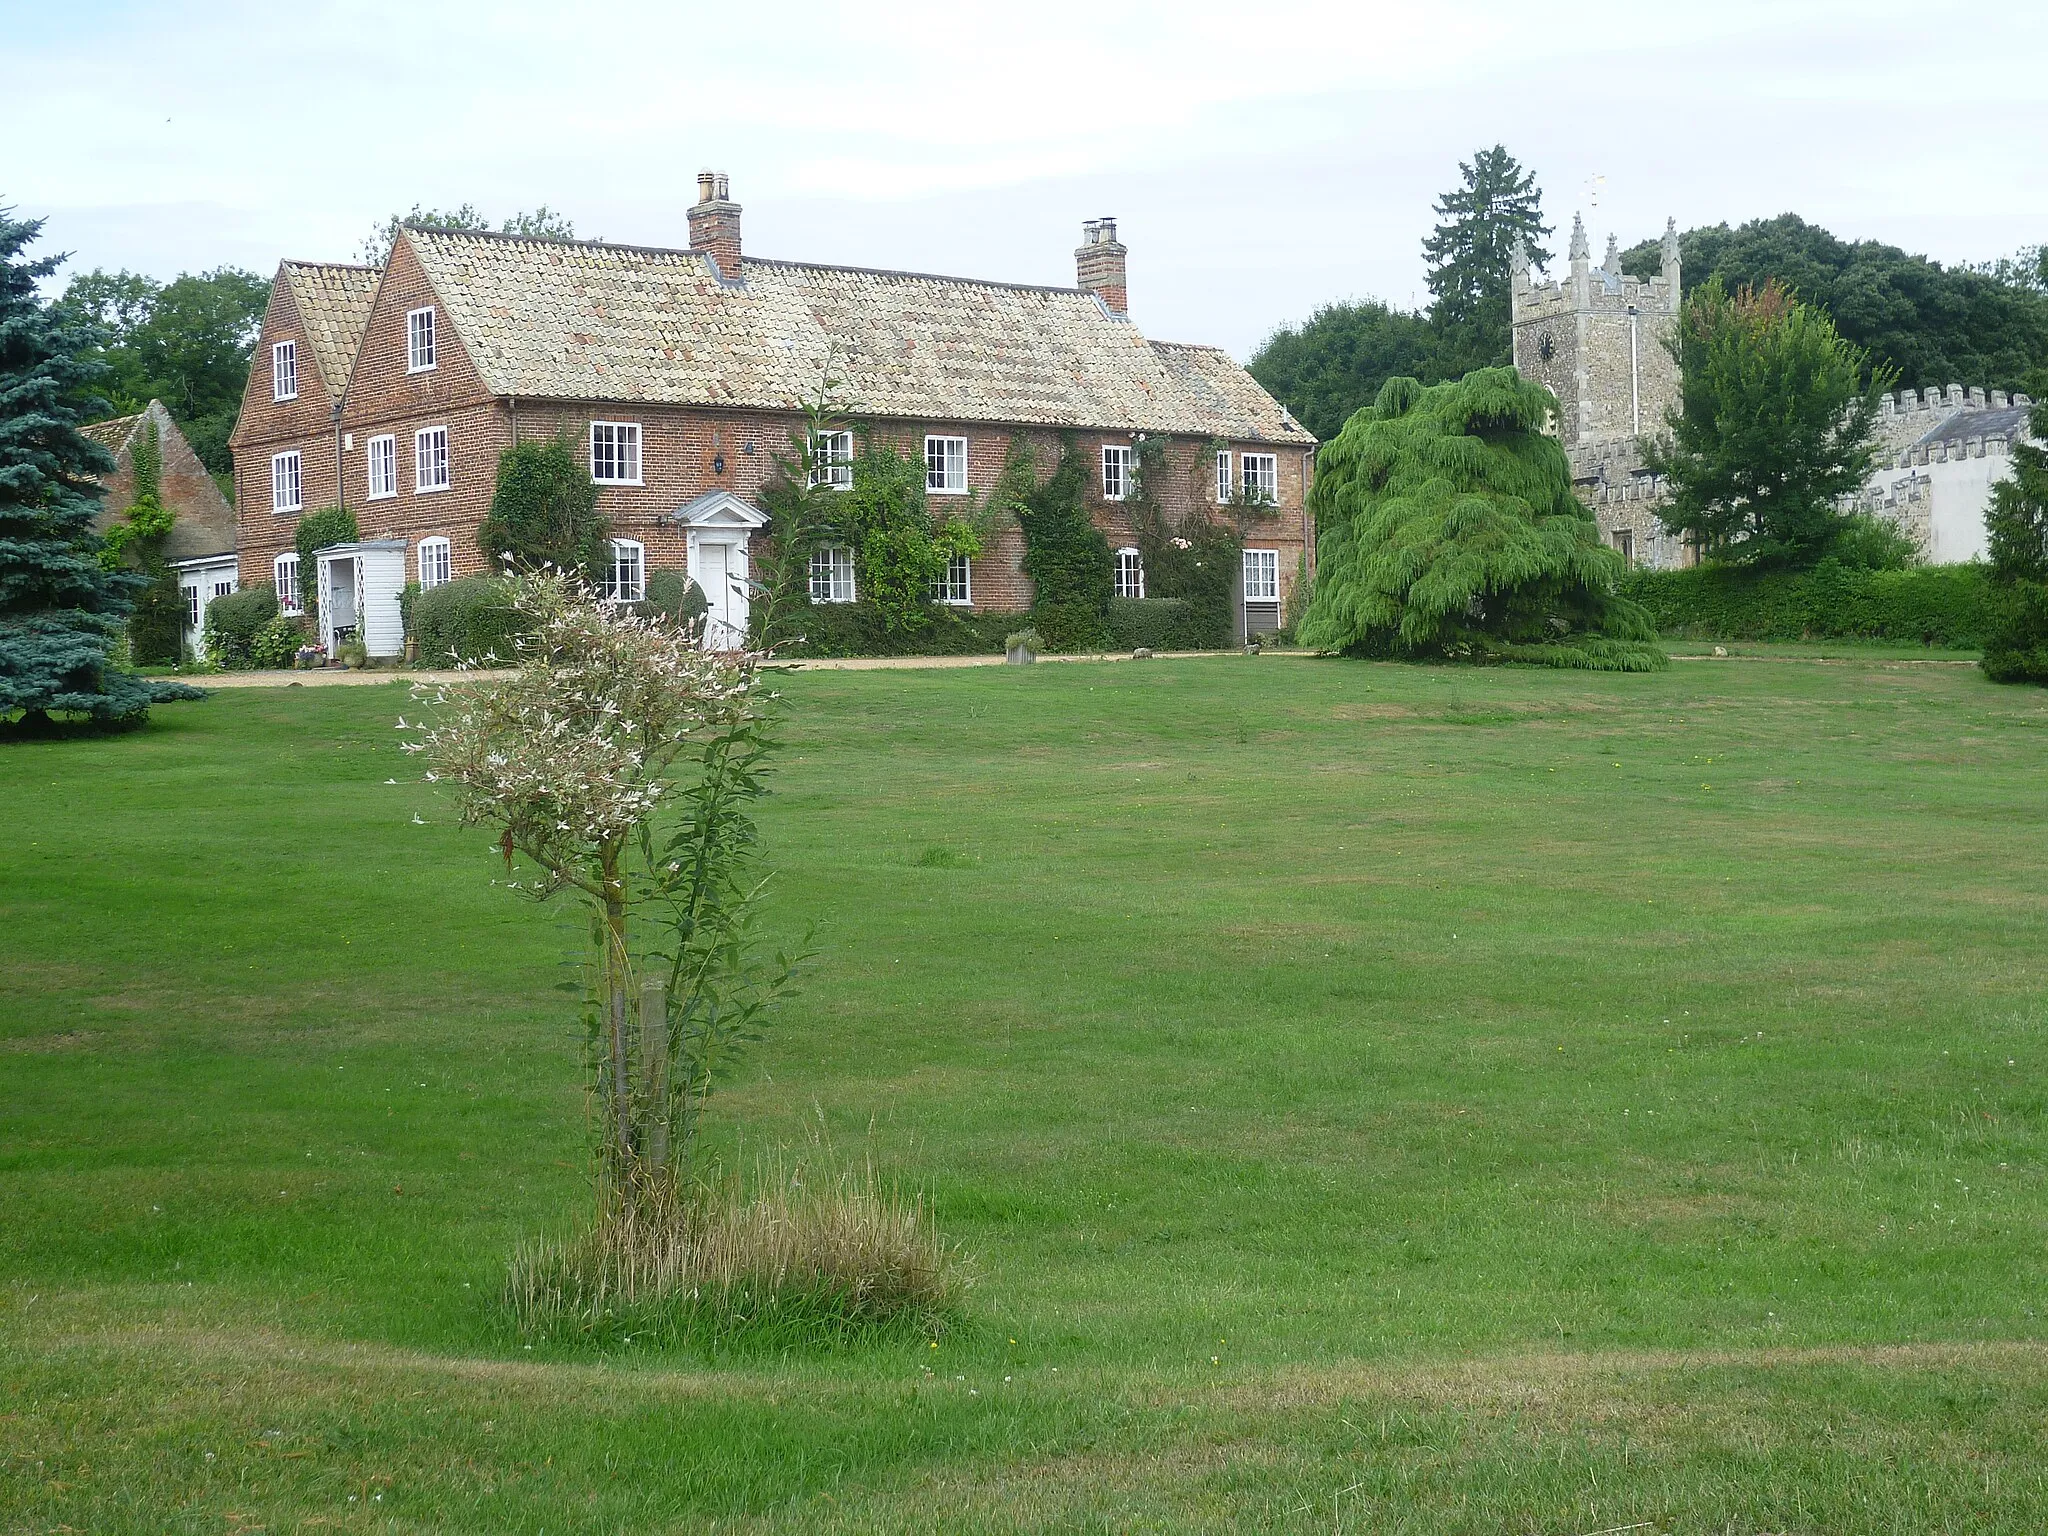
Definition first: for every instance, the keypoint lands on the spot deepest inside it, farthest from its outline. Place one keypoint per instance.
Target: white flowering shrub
(618, 765)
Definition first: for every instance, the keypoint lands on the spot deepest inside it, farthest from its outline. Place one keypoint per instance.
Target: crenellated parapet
(1936, 425)
(1595, 290)
(1597, 339)
(1912, 402)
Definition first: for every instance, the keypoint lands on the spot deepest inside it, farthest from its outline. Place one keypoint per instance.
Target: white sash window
(381, 456)
(832, 574)
(1130, 573)
(1116, 472)
(615, 452)
(430, 459)
(419, 340)
(284, 482)
(625, 579)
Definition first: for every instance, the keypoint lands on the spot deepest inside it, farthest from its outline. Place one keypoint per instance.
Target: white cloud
(1260, 159)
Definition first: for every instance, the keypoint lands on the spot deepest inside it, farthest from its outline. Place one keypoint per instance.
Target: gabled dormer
(411, 358)
(300, 368)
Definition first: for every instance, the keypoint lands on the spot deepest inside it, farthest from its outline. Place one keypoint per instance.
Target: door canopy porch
(719, 526)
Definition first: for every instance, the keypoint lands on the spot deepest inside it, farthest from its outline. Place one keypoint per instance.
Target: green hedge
(233, 621)
(1159, 624)
(470, 619)
(856, 629)
(1932, 605)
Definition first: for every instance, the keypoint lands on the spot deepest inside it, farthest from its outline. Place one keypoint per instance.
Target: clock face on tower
(1545, 347)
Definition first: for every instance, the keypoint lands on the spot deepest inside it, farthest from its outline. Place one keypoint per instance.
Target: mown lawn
(1375, 1098)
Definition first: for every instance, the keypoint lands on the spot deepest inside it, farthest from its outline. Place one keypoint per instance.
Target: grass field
(1374, 1098)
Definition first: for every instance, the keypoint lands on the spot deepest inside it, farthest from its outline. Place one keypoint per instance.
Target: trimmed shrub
(544, 510)
(1159, 624)
(859, 629)
(672, 595)
(233, 622)
(466, 620)
(1932, 605)
(156, 627)
(276, 643)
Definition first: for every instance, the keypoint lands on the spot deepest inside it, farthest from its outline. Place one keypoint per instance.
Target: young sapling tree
(620, 761)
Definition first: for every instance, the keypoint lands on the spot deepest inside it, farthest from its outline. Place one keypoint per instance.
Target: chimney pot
(1099, 264)
(715, 224)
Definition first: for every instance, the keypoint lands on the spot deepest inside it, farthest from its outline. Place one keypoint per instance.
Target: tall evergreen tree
(60, 608)
(2016, 651)
(1469, 254)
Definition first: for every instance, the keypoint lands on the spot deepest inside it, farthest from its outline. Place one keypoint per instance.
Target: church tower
(1597, 342)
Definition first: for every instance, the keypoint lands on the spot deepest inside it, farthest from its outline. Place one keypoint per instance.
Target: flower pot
(1020, 656)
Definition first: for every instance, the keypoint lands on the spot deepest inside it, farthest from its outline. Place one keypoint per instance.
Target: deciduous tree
(621, 761)
(542, 223)
(1775, 424)
(2017, 649)
(186, 343)
(1932, 325)
(1335, 362)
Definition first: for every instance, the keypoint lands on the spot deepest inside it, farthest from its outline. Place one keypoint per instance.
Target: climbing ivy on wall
(1194, 557)
(317, 530)
(1065, 555)
(899, 553)
(156, 624)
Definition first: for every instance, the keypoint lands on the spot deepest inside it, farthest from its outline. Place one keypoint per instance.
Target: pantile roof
(113, 434)
(589, 321)
(333, 301)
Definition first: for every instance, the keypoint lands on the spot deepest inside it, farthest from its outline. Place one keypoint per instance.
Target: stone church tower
(1597, 342)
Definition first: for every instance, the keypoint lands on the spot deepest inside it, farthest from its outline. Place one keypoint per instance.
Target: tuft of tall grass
(792, 1253)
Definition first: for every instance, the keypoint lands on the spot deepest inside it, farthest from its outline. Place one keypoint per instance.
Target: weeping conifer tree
(1447, 528)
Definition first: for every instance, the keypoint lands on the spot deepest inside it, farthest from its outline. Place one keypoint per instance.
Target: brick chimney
(1099, 264)
(715, 224)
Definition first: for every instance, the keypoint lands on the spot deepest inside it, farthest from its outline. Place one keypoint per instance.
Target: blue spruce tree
(60, 608)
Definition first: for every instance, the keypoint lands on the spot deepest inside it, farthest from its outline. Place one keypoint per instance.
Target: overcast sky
(1262, 158)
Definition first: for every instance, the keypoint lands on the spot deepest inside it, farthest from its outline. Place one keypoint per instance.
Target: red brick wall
(205, 522)
(267, 427)
(384, 399)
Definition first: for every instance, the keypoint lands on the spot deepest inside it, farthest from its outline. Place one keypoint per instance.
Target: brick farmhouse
(681, 375)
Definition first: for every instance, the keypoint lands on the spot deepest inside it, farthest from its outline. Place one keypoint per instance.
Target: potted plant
(1022, 648)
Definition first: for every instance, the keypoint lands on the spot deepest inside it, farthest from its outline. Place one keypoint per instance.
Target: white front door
(199, 589)
(722, 576)
(193, 590)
